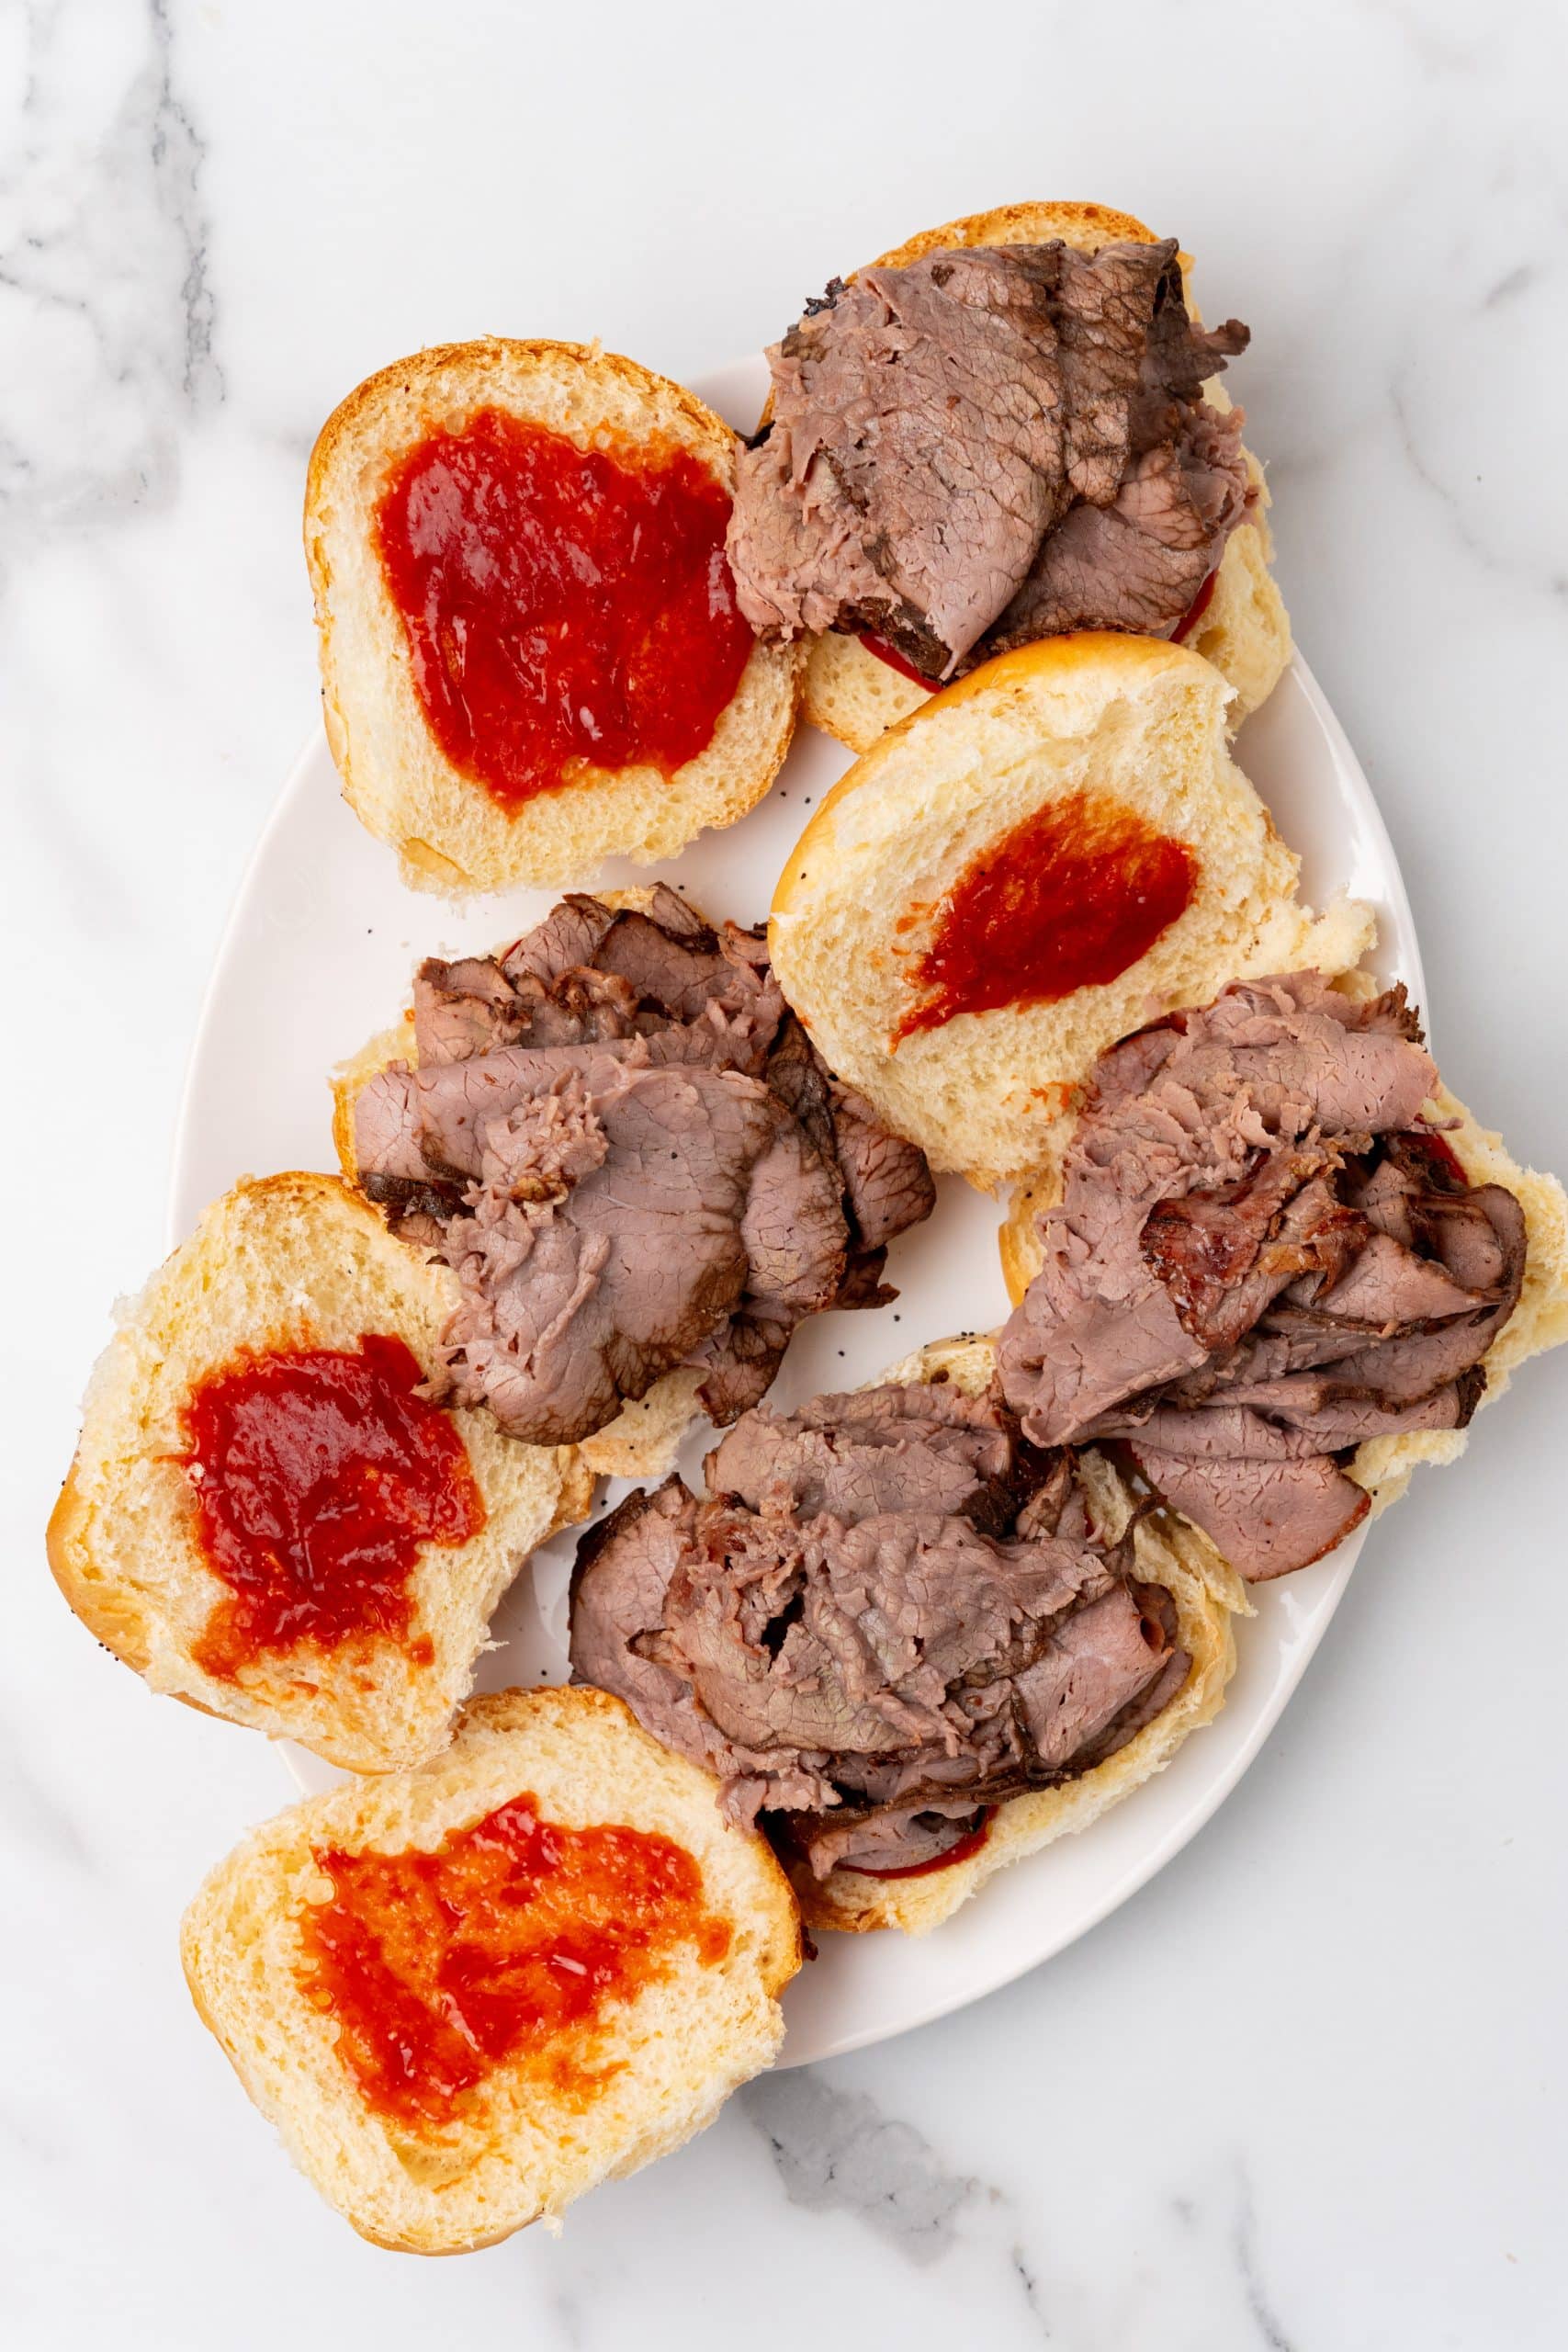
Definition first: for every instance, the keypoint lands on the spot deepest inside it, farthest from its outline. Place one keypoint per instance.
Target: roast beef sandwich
(279, 1510)
(1049, 852)
(638, 1169)
(910, 1644)
(533, 657)
(1277, 1266)
(1010, 428)
(466, 1993)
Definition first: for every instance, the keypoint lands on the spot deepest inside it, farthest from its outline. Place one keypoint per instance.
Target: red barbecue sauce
(566, 609)
(318, 1474)
(1195, 610)
(959, 1853)
(894, 659)
(1068, 900)
(439, 1967)
(1433, 1140)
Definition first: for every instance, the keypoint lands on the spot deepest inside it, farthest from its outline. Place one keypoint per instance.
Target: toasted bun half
(1136, 725)
(1383, 1465)
(291, 1262)
(1170, 1552)
(1244, 630)
(529, 2137)
(448, 832)
(644, 1436)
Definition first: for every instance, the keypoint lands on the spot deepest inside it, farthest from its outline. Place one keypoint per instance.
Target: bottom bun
(1207, 1594)
(1383, 1465)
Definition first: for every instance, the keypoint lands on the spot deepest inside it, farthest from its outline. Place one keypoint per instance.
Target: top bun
(450, 834)
(1089, 726)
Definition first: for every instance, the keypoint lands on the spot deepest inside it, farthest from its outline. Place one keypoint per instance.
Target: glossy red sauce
(1195, 610)
(1432, 1140)
(1068, 900)
(959, 1853)
(317, 1475)
(439, 1967)
(565, 608)
(894, 659)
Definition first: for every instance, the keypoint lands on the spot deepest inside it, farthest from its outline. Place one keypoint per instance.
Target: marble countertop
(1307, 2090)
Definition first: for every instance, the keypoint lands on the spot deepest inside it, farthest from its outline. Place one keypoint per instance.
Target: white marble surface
(1307, 2090)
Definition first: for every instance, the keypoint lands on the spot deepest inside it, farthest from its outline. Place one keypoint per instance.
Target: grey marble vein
(106, 308)
(1029, 2281)
(1244, 2245)
(1554, 583)
(836, 2150)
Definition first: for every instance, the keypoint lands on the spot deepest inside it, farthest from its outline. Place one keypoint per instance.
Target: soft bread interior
(524, 2147)
(1245, 632)
(1128, 720)
(1383, 1465)
(1170, 1552)
(293, 1260)
(449, 833)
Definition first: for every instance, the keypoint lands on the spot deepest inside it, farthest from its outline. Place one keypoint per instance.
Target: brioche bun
(662, 2063)
(448, 832)
(293, 1260)
(1130, 721)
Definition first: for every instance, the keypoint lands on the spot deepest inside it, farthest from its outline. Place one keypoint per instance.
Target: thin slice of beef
(852, 1457)
(895, 1838)
(1267, 1518)
(795, 1239)
(566, 941)
(607, 1240)
(464, 1008)
(388, 1133)
(1138, 564)
(887, 1185)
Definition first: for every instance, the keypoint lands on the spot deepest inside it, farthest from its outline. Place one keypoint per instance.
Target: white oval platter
(318, 954)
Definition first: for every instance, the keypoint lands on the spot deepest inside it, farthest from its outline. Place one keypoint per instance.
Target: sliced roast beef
(990, 443)
(606, 1241)
(797, 1241)
(1138, 564)
(464, 1008)
(855, 1636)
(926, 1449)
(633, 1157)
(1260, 1261)
(566, 941)
(388, 1135)
(1265, 1517)
(887, 1186)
